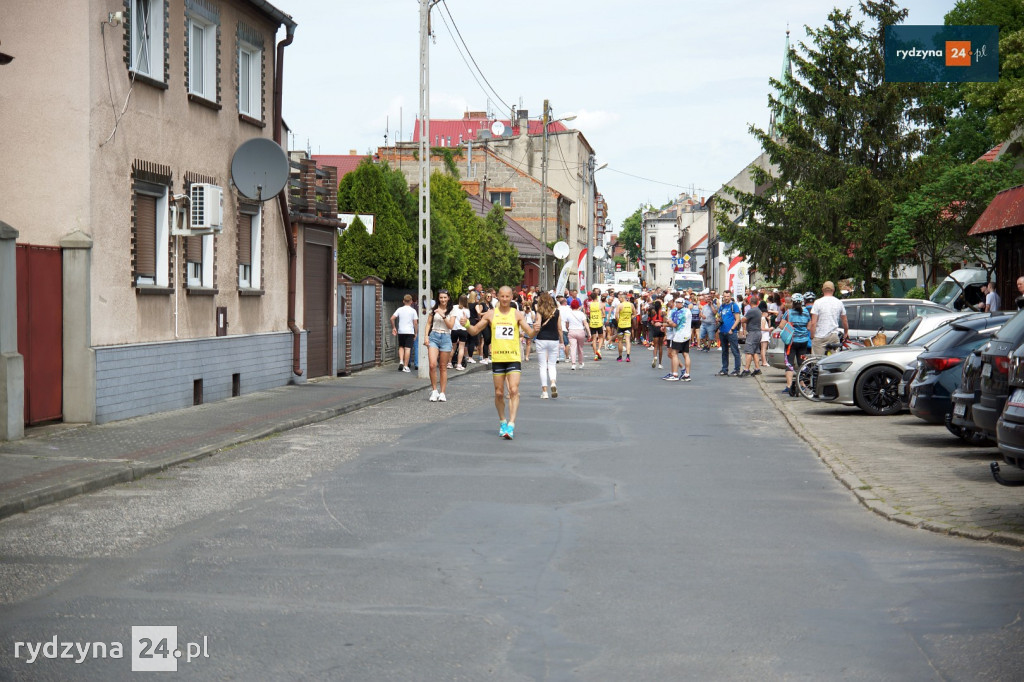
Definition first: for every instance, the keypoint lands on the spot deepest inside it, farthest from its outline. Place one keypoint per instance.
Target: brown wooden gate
(40, 330)
(318, 279)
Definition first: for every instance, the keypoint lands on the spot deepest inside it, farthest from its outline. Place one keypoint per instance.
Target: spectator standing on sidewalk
(439, 345)
(708, 323)
(474, 316)
(992, 300)
(729, 321)
(460, 337)
(403, 325)
(827, 314)
(752, 329)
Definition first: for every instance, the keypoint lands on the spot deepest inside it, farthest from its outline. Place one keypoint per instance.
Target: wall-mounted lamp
(115, 18)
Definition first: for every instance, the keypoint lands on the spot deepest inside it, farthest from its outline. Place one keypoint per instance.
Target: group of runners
(508, 326)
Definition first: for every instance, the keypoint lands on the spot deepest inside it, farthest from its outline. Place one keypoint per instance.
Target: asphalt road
(634, 530)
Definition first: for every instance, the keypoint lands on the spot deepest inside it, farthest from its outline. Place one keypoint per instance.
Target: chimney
(352, 152)
(523, 122)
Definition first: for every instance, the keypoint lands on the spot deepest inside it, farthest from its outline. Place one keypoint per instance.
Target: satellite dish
(259, 168)
(561, 250)
(599, 252)
(497, 129)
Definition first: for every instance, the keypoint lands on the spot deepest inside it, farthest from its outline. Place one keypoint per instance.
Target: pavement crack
(327, 509)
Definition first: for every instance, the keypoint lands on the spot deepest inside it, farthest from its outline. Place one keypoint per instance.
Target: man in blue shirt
(727, 334)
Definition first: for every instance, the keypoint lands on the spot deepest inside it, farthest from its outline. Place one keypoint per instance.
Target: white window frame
(152, 44)
(252, 106)
(160, 248)
(255, 276)
(205, 87)
(200, 275)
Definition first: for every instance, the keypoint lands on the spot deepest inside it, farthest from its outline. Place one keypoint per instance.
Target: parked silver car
(919, 318)
(870, 378)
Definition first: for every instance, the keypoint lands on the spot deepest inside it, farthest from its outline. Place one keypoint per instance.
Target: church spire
(787, 101)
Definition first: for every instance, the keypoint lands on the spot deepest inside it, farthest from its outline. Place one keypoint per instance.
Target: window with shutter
(249, 249)
(145, 237)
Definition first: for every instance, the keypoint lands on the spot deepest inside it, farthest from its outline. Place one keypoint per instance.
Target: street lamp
(544, 194)
(592, 186)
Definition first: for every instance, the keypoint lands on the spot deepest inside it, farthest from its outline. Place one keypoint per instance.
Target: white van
(961, 288)
(682, 281)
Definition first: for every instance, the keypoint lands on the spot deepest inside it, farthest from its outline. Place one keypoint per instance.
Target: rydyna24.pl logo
(932, 54)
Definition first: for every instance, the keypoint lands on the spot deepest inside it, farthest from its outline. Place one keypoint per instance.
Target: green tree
(355, 251)
(391, 250)
(631, 234)
(930, 226)
(844, 154)
(1002, 102)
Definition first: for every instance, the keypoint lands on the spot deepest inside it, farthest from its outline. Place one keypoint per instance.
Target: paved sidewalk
(907, 470)
(57, 462)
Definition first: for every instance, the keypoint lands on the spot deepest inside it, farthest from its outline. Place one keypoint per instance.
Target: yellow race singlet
(596, 317)
(625, 315)
(505, 336)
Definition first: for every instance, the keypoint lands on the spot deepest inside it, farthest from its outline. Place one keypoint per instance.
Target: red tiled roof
(467, 127)
(991, 154)
(1005, 210)
(345, 163)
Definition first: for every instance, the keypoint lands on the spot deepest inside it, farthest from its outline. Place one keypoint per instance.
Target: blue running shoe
(509, 431)
(503, 429)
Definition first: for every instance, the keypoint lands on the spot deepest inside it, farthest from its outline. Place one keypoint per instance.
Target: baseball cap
(828, 286)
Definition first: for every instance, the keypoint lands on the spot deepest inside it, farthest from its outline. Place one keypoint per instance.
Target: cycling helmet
(809, 297)
(797, 298)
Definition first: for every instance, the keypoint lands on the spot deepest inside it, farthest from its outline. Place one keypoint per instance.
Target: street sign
(674, 253)
(686, 258)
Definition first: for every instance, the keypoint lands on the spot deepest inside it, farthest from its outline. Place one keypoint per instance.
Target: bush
(917, 292)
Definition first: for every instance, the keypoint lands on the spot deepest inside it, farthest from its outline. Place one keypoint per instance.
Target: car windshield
(946, 292)
(903, 335)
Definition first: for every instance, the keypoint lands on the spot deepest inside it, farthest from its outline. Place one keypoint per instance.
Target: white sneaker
(581, 365)
(441, 398)
(574, 366)
(406, 369)
(459, 367)
(471, 361)
(434, 396)
(543, 395)
(659, 366)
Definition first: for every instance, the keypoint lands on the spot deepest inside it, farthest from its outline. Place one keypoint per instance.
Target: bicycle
(807, 375)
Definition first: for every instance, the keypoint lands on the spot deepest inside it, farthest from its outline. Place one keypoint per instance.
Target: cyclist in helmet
(800, 345)
(808, 298)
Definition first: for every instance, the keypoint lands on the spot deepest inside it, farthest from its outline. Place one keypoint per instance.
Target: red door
(40, 330)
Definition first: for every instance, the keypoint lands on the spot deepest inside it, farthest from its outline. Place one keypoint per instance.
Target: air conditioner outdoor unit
(207, 212)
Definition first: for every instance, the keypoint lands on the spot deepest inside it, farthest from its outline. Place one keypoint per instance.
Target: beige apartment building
(124, 116)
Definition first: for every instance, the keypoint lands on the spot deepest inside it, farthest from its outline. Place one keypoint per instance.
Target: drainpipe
(291, 230)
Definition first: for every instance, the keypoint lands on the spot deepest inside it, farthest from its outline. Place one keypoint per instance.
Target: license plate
(959, 409)
(1017, 399)
(986, 370)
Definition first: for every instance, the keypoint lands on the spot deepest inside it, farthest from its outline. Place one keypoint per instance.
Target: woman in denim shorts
(439, 345)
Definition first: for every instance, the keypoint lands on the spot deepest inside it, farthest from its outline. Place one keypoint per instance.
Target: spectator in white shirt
(827, 314)
(992, 300)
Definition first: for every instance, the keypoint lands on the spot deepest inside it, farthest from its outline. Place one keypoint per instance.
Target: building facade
(133, 110)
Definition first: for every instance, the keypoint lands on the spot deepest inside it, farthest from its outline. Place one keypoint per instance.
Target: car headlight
(835, 367)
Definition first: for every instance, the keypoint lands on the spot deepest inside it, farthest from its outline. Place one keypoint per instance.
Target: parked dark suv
(995, 370)
(1010, 426)
(964, 398)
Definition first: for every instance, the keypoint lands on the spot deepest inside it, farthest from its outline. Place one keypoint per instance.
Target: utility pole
(423, 246)
(544, 201)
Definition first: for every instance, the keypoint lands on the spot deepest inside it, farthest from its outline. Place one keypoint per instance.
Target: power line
(659, 182)
(459, 50)
(479, 70)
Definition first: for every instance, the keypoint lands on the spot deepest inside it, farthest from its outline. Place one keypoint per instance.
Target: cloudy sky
(664, 90)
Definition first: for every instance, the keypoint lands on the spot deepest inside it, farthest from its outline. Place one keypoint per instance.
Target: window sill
(202, 101)
(201, 291)
(148, 80)
(251, 121)
(152, 290)
(251, 292)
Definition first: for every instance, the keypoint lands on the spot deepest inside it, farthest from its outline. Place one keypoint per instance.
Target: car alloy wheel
(878, 391)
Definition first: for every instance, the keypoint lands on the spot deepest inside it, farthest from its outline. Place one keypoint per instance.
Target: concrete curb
(867, 497)
(135, 470)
